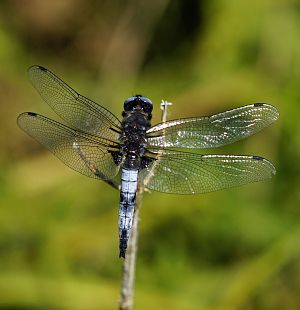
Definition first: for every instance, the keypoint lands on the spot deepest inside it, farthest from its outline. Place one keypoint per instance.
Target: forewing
(78, 111)
(85, 153)
(187, 173)
(214, 131)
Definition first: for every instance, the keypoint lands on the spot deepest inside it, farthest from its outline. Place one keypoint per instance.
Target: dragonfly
(131, 153)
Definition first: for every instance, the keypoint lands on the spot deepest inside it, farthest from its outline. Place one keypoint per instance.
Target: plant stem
(127, 289)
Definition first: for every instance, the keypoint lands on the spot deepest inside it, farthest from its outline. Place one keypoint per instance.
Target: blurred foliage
(235, 249)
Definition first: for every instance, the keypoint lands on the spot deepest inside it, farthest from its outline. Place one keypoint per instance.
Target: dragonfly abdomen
(126, 210)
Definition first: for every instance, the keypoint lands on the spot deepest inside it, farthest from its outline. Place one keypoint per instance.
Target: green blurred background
(234, 249)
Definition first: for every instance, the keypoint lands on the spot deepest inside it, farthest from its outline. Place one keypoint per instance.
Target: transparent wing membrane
(214, 131)
(83, 152)
(78, 111)
(90, 142)
(188, 173)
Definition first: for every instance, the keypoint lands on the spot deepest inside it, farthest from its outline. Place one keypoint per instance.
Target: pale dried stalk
(127, 289)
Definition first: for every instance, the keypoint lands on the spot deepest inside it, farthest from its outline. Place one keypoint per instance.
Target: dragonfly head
(138, 103)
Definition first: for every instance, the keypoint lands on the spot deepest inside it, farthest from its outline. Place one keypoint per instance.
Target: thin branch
(127, 289)
(164, 107)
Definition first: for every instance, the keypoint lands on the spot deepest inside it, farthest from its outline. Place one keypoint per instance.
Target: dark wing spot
(31, 114)
(257, 157)
(258, 104)
(43, 68)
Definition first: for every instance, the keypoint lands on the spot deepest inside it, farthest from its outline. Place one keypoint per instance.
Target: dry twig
(127, 289)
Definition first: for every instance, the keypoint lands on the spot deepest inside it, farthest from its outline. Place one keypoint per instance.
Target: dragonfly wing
(188, 173)
(83, 152)
(214, 131)
(78, 111)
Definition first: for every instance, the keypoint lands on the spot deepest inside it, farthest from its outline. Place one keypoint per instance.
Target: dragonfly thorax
(133, 137)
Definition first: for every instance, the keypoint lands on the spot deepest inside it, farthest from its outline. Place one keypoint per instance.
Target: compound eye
(129, 104)
(147, 107)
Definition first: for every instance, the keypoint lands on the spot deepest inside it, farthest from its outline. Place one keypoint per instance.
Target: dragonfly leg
(145, 161)
(93, 168)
